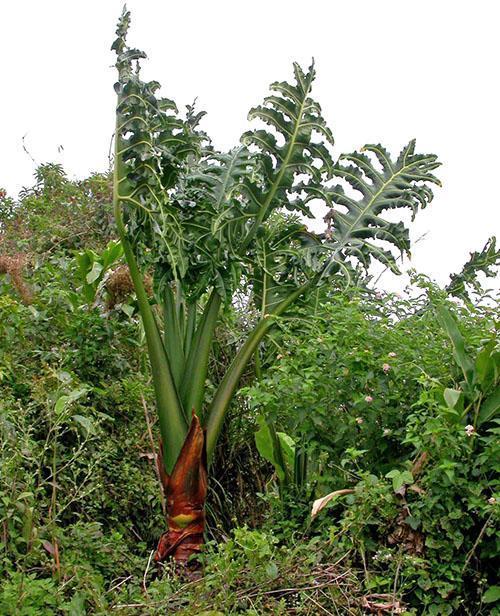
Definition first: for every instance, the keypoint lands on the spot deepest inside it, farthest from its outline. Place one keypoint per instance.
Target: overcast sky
(388, 70)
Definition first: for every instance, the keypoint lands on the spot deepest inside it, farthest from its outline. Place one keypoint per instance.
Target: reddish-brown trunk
(185, 493)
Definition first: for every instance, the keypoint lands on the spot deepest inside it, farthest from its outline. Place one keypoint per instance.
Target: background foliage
(360, 381)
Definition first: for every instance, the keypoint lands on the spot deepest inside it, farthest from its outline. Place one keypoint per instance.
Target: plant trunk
(185, 493)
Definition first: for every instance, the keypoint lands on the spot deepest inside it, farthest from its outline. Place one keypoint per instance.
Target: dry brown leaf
(321, 503)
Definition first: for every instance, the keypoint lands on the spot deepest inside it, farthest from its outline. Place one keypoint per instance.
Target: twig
(298, 589)
(419, 239)
(476, 543)
(396, 578)
(25, 148)
(144, 577)
(120, 583)
(119, 606)
(152, 443)
(318, 604)
(136, 533)
(322, 592)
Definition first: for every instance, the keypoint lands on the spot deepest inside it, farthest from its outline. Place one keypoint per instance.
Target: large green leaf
(213, 219)
(276, 447)
(296, 118)
(492, 595)
(266, 447)
(223, 175)
(153, 145)
(379, 184)
(227, 198)
(143, 215)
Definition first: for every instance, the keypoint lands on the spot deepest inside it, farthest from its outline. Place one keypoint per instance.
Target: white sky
(388, 70)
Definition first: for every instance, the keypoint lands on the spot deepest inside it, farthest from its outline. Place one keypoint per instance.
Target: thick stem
(186, 493)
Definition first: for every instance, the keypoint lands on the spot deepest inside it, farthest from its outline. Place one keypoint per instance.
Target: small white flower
(392, 354)
(368, 399)
(492, 500)
(469, 430)
(359, 420)
(386, 368)
(387, 431)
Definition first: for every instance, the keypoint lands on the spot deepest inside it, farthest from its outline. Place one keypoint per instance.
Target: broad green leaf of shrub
(112, 253)
(492, 595)
(487, 365)
(287, 447)
(399, 478)
(452, 397)
(65, 400)
(265, 446)
(94, 273)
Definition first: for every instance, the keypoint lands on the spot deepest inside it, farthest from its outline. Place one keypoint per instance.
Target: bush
(366, 386)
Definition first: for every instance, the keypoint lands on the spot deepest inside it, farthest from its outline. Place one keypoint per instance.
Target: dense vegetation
(177, 313)
(367, 387)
